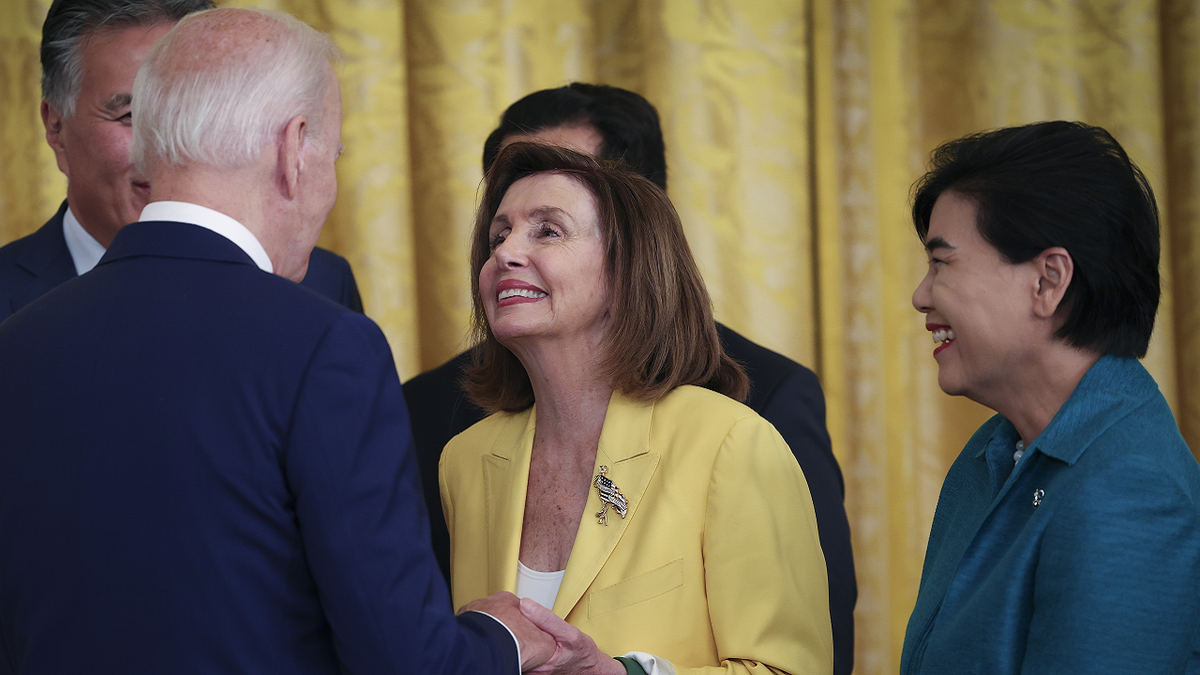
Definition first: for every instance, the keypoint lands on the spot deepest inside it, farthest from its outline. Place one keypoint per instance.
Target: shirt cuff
(652, 664)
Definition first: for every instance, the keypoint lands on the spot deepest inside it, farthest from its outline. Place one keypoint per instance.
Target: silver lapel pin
(1037, 497)
(610, 496)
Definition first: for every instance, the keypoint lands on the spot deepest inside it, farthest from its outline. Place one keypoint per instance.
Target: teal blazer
(1084, 558)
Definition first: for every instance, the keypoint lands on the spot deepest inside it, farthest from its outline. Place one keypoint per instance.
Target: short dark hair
(1064, 184)
(69, 23)
(627, 123)
(661, 334)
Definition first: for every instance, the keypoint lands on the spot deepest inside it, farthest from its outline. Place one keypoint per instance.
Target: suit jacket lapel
(46, 259)
(505, 479)
(625, 450)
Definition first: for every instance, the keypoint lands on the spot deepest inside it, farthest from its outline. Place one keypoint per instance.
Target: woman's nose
(510, 252)
(920, 297)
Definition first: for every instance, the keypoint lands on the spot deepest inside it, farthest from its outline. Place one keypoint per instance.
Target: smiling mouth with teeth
(943, 335)
(521, 293)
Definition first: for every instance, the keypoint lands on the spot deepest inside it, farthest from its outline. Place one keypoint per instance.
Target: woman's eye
(496, 239)
(548, 230)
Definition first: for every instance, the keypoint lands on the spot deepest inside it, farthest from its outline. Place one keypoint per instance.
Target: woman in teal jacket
(1067, 535)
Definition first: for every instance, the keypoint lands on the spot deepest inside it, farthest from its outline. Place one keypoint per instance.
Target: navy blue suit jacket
(208, 469)
(784, 392)
(36, 263)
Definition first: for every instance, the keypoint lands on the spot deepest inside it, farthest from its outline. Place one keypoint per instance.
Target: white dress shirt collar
(218, 222)
(85, 250)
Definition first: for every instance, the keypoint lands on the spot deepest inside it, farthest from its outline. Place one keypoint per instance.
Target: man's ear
(1055, 269)
(291, 155)
(52, 120)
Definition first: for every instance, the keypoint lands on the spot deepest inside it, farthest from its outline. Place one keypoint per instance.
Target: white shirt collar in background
(216, 221)
(85, 250)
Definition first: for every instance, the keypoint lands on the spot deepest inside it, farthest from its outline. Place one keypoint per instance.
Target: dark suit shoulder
(329, 274)
(436, 397)
(181, 255)
(439, 386)
(15, 248)
(766, 369)
(37, 250)
(10, 253)
(34, 264)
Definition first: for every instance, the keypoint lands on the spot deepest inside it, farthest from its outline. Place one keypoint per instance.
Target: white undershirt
(216, 221)
(84, 249)
(541, 587)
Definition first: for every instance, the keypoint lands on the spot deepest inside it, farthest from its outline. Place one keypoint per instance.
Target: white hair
(223, 110)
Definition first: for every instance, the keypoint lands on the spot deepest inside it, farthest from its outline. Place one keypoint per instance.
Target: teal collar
(1111, 389)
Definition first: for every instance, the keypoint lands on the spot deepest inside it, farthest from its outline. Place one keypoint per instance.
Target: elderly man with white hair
(90, 54)
(207, 468)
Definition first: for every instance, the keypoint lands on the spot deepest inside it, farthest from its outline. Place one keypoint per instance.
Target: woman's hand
(575, 652)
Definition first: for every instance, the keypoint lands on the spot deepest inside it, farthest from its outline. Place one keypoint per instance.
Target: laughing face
(976, 305)
(546, 277)
(104, 189)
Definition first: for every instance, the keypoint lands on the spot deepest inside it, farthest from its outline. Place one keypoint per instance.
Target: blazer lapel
(505, 479)
(46, 259)
(625, 450)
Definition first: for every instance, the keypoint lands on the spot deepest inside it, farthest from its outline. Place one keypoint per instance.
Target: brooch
(610, 496)
(1038, 495)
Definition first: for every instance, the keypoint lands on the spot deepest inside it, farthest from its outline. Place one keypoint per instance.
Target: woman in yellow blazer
(665, 522)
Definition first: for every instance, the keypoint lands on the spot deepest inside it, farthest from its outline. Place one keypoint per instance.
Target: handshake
(549, 645)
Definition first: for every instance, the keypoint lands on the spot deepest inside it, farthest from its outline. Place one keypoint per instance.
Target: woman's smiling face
(546, 277)
(976, 304)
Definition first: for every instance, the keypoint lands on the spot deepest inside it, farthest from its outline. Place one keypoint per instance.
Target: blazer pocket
(636, 589)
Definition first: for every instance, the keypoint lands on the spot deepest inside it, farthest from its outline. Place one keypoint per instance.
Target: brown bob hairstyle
(661, 332)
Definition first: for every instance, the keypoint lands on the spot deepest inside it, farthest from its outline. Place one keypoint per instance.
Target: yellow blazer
(717, 562)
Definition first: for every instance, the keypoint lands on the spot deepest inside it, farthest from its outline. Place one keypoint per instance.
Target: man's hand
(575, 652)
(536, 646)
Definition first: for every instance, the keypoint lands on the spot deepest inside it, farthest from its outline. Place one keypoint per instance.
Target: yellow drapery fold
(794, 132)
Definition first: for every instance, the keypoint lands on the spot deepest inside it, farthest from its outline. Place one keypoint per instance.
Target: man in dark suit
(618, 124)
(205, 467)
(86, 88)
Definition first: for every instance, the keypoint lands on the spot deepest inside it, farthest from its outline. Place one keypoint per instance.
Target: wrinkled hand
(575, 652)
(536, 646)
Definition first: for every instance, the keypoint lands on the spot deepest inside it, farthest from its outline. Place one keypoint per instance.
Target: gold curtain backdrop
(794, 132)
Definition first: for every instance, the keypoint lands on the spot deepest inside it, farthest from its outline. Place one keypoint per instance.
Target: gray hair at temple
(201, 99)
(70, 23)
